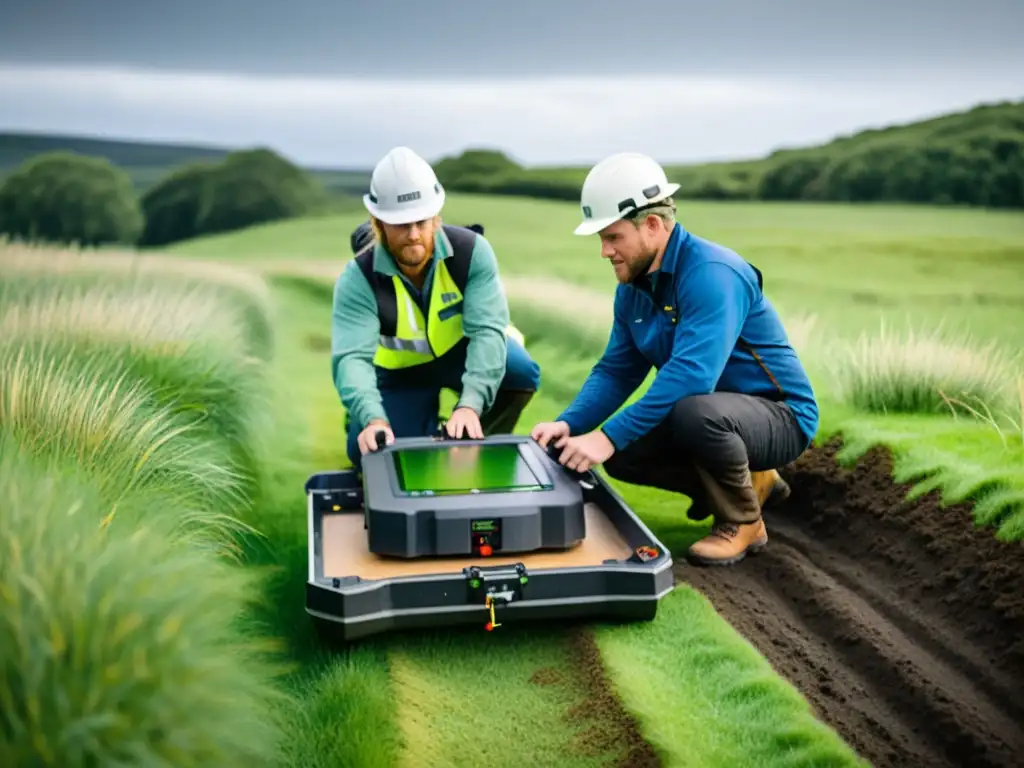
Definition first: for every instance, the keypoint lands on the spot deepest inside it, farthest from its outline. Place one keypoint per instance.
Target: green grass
(119, 645)
(858, 286)
(125, 633)
(852, 267)
(703, 695)
(433, 695)
(706, 697)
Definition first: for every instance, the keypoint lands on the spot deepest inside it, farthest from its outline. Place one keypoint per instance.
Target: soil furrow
(613, 729)
(937, 636)
(899, 620)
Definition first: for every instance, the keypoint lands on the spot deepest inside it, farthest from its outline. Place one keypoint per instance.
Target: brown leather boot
(769, 487)
(729, 543)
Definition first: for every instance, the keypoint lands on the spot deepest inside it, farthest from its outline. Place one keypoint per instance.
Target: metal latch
(496, 585)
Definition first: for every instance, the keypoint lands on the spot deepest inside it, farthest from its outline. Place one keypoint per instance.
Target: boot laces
(725, 530)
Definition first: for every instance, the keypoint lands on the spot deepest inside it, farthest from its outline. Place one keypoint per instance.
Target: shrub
(62, 197)
(788, 179)
(172, 205)
(246, 188)
(474, 164)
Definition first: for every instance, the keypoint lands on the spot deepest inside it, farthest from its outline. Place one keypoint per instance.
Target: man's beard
(399, 254)
(639, 267)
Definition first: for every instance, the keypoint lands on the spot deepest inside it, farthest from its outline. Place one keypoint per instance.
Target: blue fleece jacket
(685, 319)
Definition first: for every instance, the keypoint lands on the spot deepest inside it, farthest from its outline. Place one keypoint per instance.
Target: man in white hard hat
(731, 401)
(419, 309)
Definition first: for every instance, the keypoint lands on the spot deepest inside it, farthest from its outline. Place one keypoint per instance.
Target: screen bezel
(544, 481)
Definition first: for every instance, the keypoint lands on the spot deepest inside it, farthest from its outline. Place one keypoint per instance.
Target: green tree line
(973, 158)
(68, 198)
(969, 158)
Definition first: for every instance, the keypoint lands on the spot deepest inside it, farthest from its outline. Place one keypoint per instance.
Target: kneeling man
(730, 402)
(421, 309)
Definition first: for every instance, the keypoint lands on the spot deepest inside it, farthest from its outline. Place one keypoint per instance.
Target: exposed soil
(900, 621)
(546, 676)
(608, 729)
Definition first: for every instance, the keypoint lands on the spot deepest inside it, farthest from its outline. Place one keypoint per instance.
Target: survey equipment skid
(380, 594)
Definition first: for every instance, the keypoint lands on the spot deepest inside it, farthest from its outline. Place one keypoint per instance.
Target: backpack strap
(463, 240)
(383, 290)
(779, 393)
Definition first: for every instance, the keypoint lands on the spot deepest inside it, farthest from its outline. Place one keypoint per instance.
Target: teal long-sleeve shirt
(355, 330)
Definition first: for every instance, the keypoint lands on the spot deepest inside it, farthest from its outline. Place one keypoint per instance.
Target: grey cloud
(826, 39)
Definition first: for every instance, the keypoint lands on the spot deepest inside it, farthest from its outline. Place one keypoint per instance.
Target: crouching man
(420, 309)
(730, 402)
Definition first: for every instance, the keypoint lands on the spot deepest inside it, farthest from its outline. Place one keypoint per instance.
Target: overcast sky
(337, 82)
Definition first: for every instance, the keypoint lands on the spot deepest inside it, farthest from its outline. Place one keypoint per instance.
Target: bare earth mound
(901, 622)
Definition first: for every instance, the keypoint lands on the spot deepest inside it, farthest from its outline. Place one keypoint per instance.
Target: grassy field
(389, 695)
(906, 314)
(189, 365)
(851, 266)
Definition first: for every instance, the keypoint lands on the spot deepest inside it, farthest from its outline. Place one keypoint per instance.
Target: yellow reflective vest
(407, 337)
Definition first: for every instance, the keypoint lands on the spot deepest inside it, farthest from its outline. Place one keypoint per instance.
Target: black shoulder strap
(779, 393)
(760, 277)
(383, 290)
(463, 241)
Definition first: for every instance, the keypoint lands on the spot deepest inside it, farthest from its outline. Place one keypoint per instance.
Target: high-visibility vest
(407, 338)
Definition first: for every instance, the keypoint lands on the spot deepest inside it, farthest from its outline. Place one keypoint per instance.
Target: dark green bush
(247, 188)
(456, 172)
(66, 198)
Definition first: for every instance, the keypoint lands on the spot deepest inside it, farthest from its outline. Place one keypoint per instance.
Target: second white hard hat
(404, 189)
(619, 185)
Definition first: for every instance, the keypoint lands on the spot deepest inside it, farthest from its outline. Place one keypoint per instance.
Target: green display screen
(455, 469)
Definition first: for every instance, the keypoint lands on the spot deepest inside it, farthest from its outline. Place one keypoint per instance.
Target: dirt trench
(609, 731)
(900, 621)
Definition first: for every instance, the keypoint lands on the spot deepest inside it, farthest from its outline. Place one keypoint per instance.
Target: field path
(518, 697)
(899, 621)
(451, 696)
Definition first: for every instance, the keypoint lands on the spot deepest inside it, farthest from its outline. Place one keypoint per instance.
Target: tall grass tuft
(191, 342)
(86, 409)
(28, 274)
(119, 645)
(922, 372)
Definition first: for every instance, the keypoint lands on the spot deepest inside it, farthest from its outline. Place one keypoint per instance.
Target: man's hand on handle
(547, 431)
(367, 439)
(585, 452)
(579, 453)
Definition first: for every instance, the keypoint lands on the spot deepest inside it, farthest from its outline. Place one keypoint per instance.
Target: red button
(486, 550)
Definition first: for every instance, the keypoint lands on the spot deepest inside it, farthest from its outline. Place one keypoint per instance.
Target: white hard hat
(618, 185)
(404, 189)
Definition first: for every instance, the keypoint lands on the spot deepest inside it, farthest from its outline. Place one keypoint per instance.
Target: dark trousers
(411, 396)
(707, 448)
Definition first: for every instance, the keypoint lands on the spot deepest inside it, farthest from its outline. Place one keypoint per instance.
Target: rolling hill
(148, 162)
(972, 157)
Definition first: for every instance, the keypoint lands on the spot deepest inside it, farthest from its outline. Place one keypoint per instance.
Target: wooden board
(345, 551)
